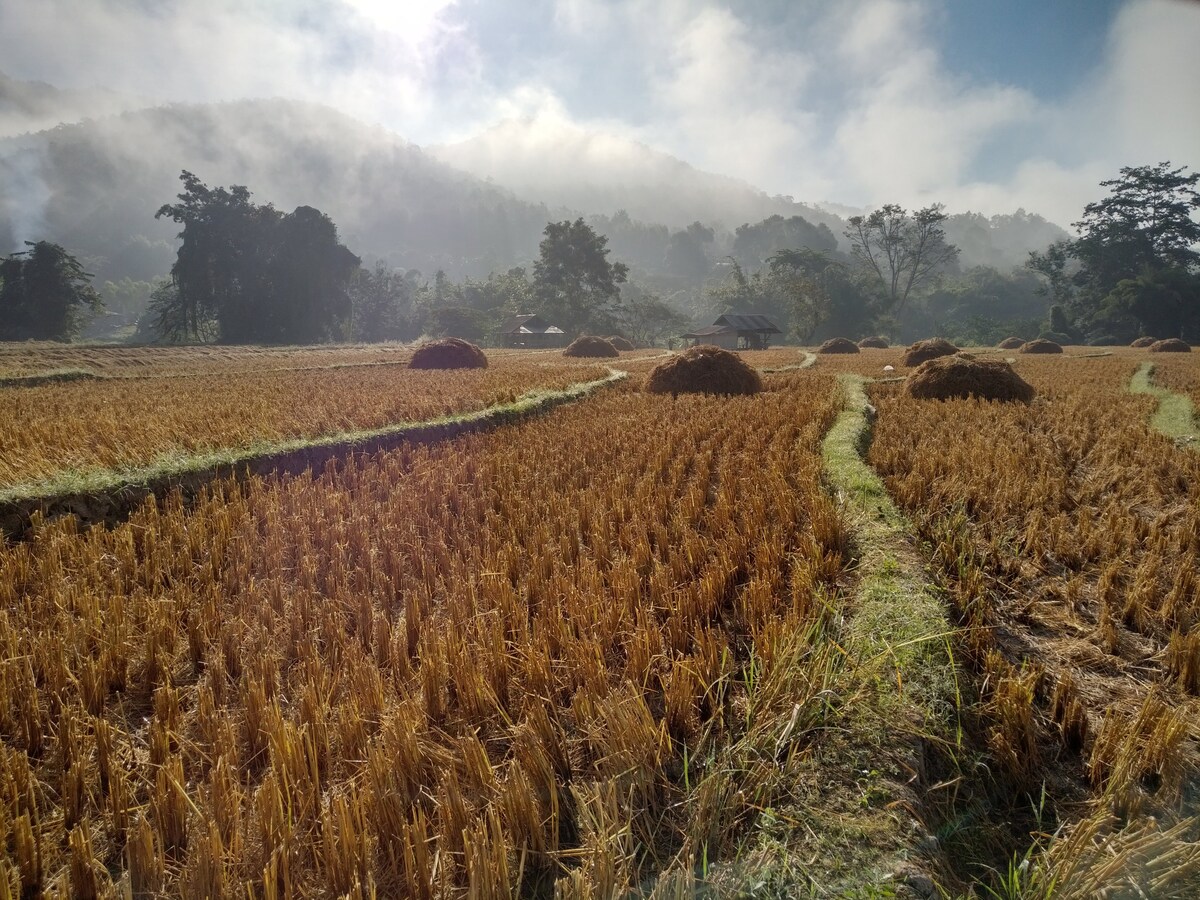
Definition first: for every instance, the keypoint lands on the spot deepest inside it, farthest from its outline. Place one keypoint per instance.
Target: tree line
(248, 273)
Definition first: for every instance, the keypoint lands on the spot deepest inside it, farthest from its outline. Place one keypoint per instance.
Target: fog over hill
(470, 208)
(27, 106)
(564, 165)
(94, 186)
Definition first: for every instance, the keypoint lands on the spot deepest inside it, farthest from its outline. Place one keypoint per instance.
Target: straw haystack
(591, 346)
(950, 377)
(838, 345)
(704, 370)
(928, 349)
(448, 353)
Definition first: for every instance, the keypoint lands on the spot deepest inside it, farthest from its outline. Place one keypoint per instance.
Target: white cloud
(849, 102)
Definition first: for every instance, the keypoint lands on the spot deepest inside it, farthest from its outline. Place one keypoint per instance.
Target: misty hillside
(566, 166)
(27, 106)
(95, 186)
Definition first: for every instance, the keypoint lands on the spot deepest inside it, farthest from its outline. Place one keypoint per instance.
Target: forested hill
(28, 106)
(94, 186)
(564, 165)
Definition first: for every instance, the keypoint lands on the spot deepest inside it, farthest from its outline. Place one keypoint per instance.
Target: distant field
(613, 650)
(122, 423)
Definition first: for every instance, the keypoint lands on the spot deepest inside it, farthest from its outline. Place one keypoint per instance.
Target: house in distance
(736, 331)
(531, 332)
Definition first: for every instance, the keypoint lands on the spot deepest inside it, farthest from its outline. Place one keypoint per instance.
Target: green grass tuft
(1175, 416)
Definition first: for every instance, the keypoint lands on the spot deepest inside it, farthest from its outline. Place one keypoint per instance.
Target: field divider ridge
(1175, 416)
(808, 362)
(898, 640)
(110, 495)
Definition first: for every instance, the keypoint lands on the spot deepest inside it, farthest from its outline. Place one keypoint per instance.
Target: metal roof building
(531, 331)
(736, 331)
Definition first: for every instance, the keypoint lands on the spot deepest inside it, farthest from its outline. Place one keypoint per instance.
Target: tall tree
(383, 302)
(904, 252)
(575, 283)
(1145, 223)
(260, 275)
(42, 293)
(1131, 268)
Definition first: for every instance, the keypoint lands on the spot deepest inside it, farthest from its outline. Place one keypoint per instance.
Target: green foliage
(261, 275)
(42, 293)
(903, 252)
(1162, 301)
(754, 245)
(983, 306)
(1134, 266)
(574, 283)
(647, 320)
(459, 321)
(383, 304)
(686, 255)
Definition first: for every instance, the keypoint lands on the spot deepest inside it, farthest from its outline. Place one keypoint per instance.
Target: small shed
(716, 336)
(737, 331)
(531, 332)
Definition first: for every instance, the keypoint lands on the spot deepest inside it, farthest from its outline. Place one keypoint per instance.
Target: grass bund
(1175, 416)
(106, 495)
(828, 640)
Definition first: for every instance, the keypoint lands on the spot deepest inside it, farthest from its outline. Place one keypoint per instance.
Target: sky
(987, 105)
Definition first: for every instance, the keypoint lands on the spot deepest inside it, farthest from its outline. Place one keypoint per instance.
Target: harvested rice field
(635, 645)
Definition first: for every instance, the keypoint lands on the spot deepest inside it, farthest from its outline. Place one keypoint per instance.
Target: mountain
(95, 186)
(563, 165)
(27, 106)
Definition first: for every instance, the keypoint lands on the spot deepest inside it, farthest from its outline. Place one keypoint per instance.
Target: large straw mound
(1144, 341)
(928, 349)
(873, 343)
(704, 370)
(448, 353)
(1011, 343)
(590, 346)
(838, 345)
(1041, 346)
(621, 343)
(949, 377)
(1170, 345)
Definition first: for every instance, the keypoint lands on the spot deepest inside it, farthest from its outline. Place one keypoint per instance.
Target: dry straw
(838, 345)
(1170, 345)
(931, 348)
(1041, 345)
(704, 370)
(448, 353)
(591, 346)
(960, 376)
